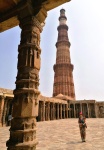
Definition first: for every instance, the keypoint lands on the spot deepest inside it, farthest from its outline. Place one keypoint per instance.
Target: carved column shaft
(46, 113)
(40, 112)
(48, 110)
(57, 110)
(81, 107)
(74, 111)
(60, 111)
(88, 110)
(66, 111)
(69, 112)
(95, 107)
(53, 111)
(25, 106)
(43, 111)
(1, 109)
(4, 112)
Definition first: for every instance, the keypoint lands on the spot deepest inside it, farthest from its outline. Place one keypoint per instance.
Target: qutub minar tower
(63, 69)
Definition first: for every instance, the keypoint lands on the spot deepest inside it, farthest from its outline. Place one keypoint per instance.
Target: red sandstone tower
(63, 77)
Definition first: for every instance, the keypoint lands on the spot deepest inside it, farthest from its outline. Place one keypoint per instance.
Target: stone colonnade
(5, 109)
(48, 108)
(51, 109)
(1, 109)
(88, 108)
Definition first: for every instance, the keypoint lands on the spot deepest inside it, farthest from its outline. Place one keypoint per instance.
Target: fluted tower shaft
(63, 69)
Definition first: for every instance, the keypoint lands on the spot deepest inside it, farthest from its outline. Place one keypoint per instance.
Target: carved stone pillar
(60, 111)
(48, 111)
(1, 109)
(40, 111)
(63, 111)
(25, 104)
(95, 107)
(43, 111)
(57, 110)
(66, 109)
(74, 111)
(4, 112)
(88, 110)
(81, 107)
(69, 112)
(53, 111)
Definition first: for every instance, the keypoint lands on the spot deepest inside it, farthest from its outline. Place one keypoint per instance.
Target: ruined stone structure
(88, 107)
(63, 78)
(6, 98)
(60, 107)
(48, 108)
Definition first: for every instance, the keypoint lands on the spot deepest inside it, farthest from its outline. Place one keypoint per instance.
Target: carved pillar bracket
(25, 103)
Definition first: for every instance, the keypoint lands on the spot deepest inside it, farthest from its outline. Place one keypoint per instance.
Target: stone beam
(9, 12)
(6, 5)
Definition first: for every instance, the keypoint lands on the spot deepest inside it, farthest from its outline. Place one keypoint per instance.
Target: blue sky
(85, 19)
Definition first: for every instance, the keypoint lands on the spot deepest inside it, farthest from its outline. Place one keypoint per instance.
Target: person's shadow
(75, 142)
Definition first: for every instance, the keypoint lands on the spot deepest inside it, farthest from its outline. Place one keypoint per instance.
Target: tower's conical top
(62, 12)
(62, 18)
(62, 29)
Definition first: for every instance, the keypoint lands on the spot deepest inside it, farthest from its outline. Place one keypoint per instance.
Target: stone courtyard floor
(64, 135)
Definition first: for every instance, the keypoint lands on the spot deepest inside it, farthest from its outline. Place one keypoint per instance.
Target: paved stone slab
(64, 135)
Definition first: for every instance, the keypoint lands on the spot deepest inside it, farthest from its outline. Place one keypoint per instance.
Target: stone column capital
(31, 9)
(33, 20)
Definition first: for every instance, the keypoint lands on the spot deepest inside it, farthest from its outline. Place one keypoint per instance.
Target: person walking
(9, 119)
(82, 126)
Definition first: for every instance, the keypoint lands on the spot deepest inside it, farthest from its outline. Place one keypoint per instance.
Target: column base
(31, 145)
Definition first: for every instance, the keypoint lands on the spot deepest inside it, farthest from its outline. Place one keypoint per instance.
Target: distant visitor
(82, 126)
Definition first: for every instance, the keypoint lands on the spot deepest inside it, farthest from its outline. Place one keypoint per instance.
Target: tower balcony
(62, 26)
(62, 17)
(63, 66)
(64, 42)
